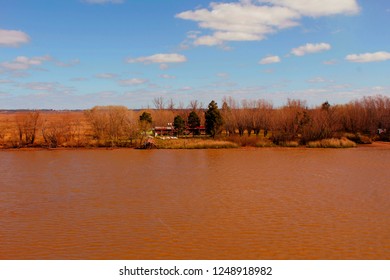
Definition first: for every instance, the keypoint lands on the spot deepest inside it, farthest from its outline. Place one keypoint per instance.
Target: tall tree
(214, 120)
(193, 122)
(179, 124)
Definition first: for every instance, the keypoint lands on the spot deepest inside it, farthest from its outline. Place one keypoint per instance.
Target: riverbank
(189, 144)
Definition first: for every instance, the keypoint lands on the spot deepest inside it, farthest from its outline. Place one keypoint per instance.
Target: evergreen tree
(146, 117)
(179, 124)
(145, 124)
(193, 122)
(214, 120)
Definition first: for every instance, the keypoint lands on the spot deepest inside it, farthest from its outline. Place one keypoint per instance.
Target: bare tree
(27, 124)
(110, 124)
(159, 103)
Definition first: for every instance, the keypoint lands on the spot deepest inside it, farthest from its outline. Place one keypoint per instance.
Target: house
(164, 130)
(169, 130)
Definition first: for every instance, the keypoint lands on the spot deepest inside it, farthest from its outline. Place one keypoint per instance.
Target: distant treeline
(362, 121)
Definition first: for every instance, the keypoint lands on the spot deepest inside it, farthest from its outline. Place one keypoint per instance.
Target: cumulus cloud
(318, 8)
(24, 63)
(253, 20)
(133, 82)
(310, 48)
(368, 57)
(161, 58)
(241, 21)
(13, 38)
(270, 60)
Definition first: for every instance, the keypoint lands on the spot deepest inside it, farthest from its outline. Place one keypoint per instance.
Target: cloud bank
(250, 20)
(368, 57)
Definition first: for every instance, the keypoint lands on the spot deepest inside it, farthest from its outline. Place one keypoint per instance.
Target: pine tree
(214, 120)
(193, 122)
(179, 124)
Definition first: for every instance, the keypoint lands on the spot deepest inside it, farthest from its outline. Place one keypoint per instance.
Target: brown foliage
(27, 125)
(361, 121)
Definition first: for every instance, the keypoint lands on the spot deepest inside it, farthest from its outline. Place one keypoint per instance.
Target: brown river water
(271, 203)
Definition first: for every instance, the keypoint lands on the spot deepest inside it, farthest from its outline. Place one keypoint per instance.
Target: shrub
(332, 143)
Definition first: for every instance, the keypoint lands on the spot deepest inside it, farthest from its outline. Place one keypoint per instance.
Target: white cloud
(133, 82)
(103, 1)
(105, 76)
(270, 60)
(318, 8)
(13, 38)
(159, 58)
(253, 20)
(311, 48)
(368, 57)
(166, 76)
(241, 21)
(24, 63)
(48, 87)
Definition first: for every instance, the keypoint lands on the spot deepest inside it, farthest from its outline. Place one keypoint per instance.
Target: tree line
(363, 120)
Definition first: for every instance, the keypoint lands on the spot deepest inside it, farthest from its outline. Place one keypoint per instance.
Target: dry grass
(194, 143)
(290, 144)
(74, 120)
(332, 143)
(250, 141)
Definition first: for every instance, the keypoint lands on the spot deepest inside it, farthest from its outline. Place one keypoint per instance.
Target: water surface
(195, 204)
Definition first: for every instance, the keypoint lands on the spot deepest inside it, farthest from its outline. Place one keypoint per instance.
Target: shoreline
(378, 144)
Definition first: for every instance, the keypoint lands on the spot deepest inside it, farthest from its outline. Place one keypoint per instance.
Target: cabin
(169, 130)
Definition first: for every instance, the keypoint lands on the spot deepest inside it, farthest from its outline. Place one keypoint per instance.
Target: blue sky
(76, 54)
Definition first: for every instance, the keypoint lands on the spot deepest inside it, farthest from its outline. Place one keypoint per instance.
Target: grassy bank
(194, 143)
(241, 142)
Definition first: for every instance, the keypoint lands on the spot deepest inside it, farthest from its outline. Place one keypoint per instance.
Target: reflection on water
(203, 204)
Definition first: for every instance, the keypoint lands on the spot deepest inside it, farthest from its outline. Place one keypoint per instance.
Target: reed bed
(194, 144)
(332, 143)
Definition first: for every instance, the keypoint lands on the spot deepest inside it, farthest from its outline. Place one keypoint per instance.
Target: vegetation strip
(249, 123)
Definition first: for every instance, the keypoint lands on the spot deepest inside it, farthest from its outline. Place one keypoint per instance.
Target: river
(271, 203)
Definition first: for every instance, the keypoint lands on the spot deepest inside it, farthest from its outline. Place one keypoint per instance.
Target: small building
(164, 130)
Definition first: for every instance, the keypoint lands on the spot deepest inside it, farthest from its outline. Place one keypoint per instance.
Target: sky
(76, 54)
